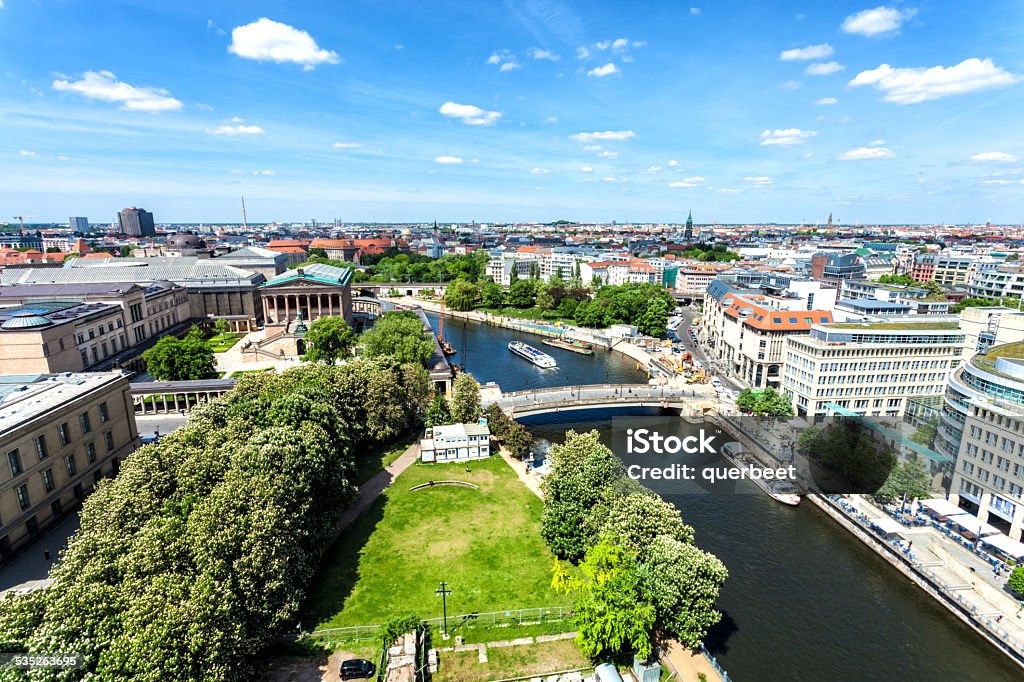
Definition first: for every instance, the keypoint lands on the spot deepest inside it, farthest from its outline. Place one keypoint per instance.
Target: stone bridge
(688, 400)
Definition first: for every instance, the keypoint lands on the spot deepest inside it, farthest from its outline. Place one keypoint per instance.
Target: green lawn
(485, 543)
(221, 342)
(369, 464)
(243, 372)
(533, 314)
(512, 661)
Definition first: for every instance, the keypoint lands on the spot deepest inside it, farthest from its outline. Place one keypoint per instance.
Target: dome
(26, 319)
(185, 241)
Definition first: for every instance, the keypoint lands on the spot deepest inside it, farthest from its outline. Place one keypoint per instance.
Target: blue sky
(514, 111)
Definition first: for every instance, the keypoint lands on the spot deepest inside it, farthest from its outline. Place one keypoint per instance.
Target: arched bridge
(689, 400)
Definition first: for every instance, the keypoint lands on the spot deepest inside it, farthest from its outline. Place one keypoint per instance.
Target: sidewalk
(689, 664)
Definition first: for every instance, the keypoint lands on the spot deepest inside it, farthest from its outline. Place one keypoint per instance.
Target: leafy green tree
(582, 474)
(221, 326)
(636, 519)
(545, 301)
(329, 339)
(654, 319)
(174, 359)
(498, 422)
(746, 400)
(1016, 580)
(905, 280)
(398, 335)
(438, 414)
(465, 406)
(517, 440)
(771, 402)
(612, 615)
(461, 295)
(682, 583)
(317, 251)
(493, 295)
(909, 477)
(925, 434)
(567, 308)
(576, 282)
(521, 294)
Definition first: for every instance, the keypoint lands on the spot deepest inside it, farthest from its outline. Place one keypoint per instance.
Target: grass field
(369, 464)
(513, 661)
(221, 342)
(484, 542)
(242, 372)
(534, 314)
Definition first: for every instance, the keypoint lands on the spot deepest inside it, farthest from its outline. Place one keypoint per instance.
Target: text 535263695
(26, 661)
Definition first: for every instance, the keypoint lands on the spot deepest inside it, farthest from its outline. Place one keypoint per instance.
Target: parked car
(357, 668)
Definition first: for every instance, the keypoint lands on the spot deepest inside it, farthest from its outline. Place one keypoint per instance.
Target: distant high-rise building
(830, 219)
(136, 222)
(688, 234)
(79, 224)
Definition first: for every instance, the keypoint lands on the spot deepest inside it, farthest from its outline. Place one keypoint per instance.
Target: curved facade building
(982, 426)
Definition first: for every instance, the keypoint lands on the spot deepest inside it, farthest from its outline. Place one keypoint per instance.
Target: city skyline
(528, 111)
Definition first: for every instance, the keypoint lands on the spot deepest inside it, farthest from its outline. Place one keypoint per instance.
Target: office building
(136, 222)
(79, 224)
(60, 434)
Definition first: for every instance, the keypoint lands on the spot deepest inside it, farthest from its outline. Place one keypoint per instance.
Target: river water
(804, 599)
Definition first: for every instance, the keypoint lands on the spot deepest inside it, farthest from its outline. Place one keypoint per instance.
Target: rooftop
(23, 397)
(317, 272)
(897, 326)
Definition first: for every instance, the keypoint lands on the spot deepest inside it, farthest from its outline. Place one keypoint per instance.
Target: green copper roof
(317, 272)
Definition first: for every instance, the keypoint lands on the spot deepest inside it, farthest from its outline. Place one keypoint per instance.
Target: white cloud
(872, 22)
(239, 128)
(791, 85)
(538, 53)
(469, 114)
(611, 179)
(807, 53)
(760, 180)
(582, 52)
(539, 171)
(914, 85)
(505, 60)
(609, 155)
(104, 86)
(586, 169)
(993, 157)
(210, 25)
(509, 66)
(602, 71)
(592, 147)
(827, 101)
(653, 169)
(262, 172)
(877, 143)
(727, 190)
(63, 158)
(347, 145)
(607, 135)
(399, 46)
(824, 68)
(25, 152)
(996, 182)
(786, 137)
(551, 119)
(688, 182)
(673, 163)
(265, 40)
(695, 11)
(863, 153)
(449, 160)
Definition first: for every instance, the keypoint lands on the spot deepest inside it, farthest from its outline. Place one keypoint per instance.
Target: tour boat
(780, 491)
(535, 356)
(581, 347)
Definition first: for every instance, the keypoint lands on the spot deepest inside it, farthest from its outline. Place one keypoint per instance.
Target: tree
(909, 478)
(636, 519)
(905, 280)
(221, 326)
(925, 434)
(612, 615)
(1016, 581)
(174, 359)
(654, 319)
(461, 295)
(745, 400)
(517, 440)
(576, 282)
(521, 294)
(582, 473)
(329, 339)
(317, 251)
(465, 407)
(493, 295)
(545, 301)
(398, 335)
(682, 583)
(771, 402)
(438, 413)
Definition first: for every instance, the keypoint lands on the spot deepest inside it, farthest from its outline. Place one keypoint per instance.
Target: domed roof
(185, 241)
(26, 319)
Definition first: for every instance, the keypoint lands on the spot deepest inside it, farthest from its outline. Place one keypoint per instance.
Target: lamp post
(443, 593)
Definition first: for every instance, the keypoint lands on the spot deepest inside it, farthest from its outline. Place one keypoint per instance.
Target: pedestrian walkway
(372, 489)
(688, 664)
(231, 360)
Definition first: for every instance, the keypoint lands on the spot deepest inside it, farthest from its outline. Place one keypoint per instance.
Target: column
(986, 498)
(287, 308)
(1018, 521)
(319, 305)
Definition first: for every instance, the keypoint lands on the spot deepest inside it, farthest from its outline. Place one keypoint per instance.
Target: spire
(690, 215)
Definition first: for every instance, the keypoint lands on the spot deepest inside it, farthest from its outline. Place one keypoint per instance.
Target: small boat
(535, 356)
(581, 347)
(446, 347)
(780, 491)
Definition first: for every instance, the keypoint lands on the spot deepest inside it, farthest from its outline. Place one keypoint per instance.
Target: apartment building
(693, 279)
(1002, 281)
(500, 267)
(836, 267)
(872, 369)
(618, 272)
(59, 435)
(71, 328)
(982, 426)
(952, 269)
(988, 326)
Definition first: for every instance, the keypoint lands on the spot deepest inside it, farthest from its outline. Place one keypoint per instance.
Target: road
(698, 352)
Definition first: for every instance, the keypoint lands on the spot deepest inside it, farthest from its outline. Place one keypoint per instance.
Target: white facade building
(455, 443)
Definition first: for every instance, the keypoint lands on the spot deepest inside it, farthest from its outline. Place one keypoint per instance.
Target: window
(72, 465)
(41, 447)
(48, 481)
(65, 433)
(104, 415)
(78, 490)
(32, 525)
(56, 507)
(90, 452)
(84, 420)
(23, 500)
(108, 438)
(14, 460)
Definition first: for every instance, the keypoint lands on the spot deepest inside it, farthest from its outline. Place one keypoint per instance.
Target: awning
(971, 524)
(888, 526)
(943, 507)
(1009, 547)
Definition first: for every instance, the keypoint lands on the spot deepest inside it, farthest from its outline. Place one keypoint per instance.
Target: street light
(443, 593)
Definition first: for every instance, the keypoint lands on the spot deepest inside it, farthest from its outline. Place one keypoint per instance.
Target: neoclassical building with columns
(313, 290)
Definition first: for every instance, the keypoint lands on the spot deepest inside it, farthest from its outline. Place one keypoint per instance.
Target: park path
(372, 489)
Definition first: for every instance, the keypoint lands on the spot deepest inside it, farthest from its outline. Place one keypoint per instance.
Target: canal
(804, 599)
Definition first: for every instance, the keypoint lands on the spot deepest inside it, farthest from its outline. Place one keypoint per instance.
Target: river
(804, 599)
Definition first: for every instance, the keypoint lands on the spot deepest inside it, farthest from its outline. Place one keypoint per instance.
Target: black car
(357, 668)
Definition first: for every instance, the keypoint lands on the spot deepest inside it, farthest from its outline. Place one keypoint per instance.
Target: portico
(313, 291)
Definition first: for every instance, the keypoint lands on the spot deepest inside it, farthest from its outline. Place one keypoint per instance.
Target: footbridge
(688, 400)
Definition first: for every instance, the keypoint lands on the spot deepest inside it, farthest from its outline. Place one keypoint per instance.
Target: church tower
(688, 234)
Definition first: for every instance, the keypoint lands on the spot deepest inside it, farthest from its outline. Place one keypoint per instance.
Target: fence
(511, 617)
(714, 664)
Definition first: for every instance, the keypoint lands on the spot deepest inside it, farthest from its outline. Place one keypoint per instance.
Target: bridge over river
(688, 400)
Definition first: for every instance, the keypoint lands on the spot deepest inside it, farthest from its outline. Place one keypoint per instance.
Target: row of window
(64, 436)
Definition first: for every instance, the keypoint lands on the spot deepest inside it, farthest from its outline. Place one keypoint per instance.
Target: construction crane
(21, 219)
